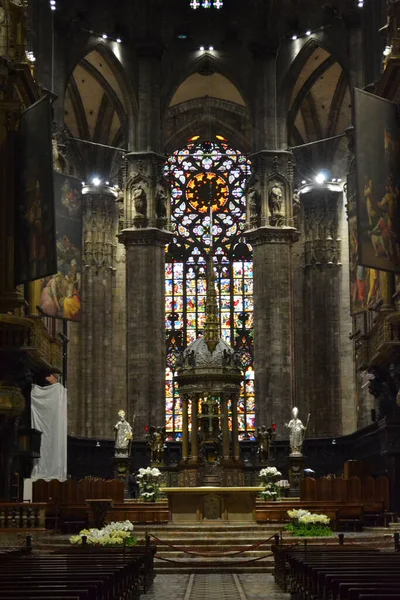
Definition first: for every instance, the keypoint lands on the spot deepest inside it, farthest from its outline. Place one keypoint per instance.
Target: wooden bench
(79, 574)
(337, 572)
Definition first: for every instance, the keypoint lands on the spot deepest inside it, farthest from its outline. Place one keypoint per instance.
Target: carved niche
(279, 192)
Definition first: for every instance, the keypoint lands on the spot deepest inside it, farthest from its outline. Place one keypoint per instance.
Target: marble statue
(296, 433)
(140, 201)
(264, 438)
(275, 200)
(123, 435)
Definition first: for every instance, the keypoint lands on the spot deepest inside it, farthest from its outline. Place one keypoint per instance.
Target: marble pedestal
(296, 473)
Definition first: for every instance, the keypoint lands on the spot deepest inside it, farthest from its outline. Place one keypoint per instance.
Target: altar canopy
(49, 415)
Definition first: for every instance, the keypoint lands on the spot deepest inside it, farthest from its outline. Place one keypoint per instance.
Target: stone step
(161, 552)
(168, 570)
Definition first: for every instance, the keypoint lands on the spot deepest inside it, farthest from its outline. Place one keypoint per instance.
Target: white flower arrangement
(148, 483)
(113, 534)
(305, 523)
(270, 472)
(268, 476)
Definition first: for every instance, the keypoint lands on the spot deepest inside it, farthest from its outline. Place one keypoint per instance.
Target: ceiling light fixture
(104, 36)
(294, 37)
(320, 178)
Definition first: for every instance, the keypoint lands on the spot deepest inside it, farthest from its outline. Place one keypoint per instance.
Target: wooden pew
(337, 572)
(77, 575)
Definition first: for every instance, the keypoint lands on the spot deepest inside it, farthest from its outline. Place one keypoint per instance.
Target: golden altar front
(209, 503)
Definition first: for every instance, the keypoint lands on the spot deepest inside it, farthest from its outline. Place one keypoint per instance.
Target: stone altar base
(121, 471)
(198, 504)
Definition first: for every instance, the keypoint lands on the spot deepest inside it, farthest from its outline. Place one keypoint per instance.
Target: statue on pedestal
(296, 433)
(156, 442)
(264, 438)
(123, 436)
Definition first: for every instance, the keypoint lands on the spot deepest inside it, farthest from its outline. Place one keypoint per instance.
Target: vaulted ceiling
(95, 110)
(320, 107)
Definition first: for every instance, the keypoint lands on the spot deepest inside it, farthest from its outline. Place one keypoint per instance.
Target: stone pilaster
(100, 222)
(271, 234)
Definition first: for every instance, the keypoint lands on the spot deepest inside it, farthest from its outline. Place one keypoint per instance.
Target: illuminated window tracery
(204, 175)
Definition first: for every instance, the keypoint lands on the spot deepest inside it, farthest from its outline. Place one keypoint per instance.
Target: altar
(208, 503)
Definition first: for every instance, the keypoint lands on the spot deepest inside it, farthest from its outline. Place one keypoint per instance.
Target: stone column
(144, 236)
(195, 430)
(271, 234)
(235, 428)
(185, 429)
(100, 222)
(225, 426)
(318, 327)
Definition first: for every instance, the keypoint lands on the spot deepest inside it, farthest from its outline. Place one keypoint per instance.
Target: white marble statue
(297, 433)
(123, 435)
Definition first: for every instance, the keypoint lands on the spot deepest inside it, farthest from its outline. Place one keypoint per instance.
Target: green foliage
(303, 530)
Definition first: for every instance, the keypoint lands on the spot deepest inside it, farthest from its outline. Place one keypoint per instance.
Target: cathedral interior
(182, 238)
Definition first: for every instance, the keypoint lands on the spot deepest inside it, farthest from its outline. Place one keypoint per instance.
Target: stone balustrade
(21, 515)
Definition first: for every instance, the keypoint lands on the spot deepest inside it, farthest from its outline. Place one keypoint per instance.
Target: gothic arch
(203, 63)
(315, 105)
(99, 106)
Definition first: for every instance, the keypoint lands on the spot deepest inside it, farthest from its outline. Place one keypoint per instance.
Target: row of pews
(76, 573)
(338, 572)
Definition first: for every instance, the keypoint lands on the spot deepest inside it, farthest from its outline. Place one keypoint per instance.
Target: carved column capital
(322, 240)
(270, 190)
(144, 237)
(272, 235)
(146, 191)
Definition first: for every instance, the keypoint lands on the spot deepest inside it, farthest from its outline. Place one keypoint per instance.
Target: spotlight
(303, 182)
(320, 178)
(96, 181)
(294, 37)
(104, 36)
(118, 40)
(201, 48)
(52, 2)
(361, 4)
(53, 7)
(333, 180)
(83, 183)
(211, 48)
(107, 183)
(339, 181)
(308, 32)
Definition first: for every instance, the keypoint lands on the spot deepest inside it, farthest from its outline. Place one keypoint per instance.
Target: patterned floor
(215, 587)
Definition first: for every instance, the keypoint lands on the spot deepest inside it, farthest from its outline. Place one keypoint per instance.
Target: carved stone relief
(99, 220)
(322, 245)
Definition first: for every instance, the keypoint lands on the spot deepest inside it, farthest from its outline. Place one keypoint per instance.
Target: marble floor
(215, 586)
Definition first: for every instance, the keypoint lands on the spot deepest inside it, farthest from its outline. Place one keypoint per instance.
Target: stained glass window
(204, 175)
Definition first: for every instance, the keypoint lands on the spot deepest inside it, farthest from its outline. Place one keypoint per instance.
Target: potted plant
(306, 524)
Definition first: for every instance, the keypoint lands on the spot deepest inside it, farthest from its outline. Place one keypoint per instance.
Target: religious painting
(35, 245)
(364, 282)
(61, 293)
(377, 136)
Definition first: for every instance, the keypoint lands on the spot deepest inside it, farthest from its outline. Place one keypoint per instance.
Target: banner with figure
(364, 282)
(61, 293)
(35, 247)
(377, 143)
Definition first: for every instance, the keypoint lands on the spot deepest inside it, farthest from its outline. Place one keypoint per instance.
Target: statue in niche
(156, 441)
(139, 199)
(297, 433)
(161, 202)
(275, 200)
(123, 436)
(296, 207)
(254, 200)
(264, 439)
